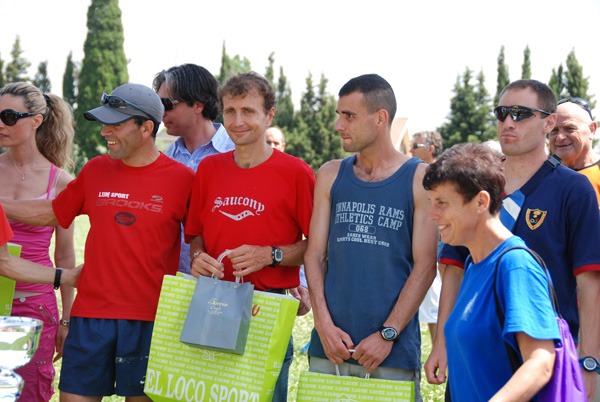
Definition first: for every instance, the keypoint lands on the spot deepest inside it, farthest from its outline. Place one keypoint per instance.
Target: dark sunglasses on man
(579, 102)
(119, 103)
(517, 112)
(10, 117)
(169, 103)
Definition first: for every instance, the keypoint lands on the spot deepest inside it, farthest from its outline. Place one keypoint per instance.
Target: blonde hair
(54, 137)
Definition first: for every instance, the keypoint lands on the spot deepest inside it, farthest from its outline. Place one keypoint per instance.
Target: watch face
(278, 254)
(589, 364)
(389, 334)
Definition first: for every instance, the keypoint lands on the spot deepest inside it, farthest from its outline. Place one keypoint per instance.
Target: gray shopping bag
(219, 316)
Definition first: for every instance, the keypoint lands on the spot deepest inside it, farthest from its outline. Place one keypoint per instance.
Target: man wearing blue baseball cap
(136, 199)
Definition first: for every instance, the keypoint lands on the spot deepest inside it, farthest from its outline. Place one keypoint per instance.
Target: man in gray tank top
(372, 251)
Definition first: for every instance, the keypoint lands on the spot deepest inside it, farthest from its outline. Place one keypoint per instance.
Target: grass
(301, 332)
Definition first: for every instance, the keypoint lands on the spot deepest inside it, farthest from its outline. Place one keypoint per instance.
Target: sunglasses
(169, 103)
(517, 112)
(9, 117)
(579, 102)
(417, 146)
(119, 103)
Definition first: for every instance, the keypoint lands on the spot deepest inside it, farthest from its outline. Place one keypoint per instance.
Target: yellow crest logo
(535, 218)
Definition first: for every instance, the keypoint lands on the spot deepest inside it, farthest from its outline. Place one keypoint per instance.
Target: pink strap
(53, 170)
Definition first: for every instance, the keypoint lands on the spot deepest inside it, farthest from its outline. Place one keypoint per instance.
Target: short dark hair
(545, 94)
(471, 168)
(377, 93)
(244, 83)
(191, 83)
(140, 120)
(431, 138)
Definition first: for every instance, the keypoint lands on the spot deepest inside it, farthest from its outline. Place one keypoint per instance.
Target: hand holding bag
(219, 315)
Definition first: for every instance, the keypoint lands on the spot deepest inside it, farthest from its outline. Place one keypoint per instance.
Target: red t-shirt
(267, 205)
(134, 239)
(5, 231)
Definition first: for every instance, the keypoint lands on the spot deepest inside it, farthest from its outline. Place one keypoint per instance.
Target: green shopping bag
(178, 372)
(326, 387)
(7, 286)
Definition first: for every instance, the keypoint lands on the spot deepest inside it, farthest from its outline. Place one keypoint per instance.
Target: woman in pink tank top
(37, 130)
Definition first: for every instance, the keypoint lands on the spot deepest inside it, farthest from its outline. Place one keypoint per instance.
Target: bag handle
(238, 279)
(337, 369)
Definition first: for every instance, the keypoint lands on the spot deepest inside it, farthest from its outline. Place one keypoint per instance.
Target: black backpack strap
(550, 164)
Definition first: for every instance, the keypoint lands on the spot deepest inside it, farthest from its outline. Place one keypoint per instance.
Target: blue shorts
(104, 356)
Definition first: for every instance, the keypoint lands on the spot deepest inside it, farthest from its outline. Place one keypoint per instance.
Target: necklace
(27, 170)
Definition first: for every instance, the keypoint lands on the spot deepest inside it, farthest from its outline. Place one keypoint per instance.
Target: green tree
(526, 67)
(503, 79)
(576, 84)
(557, 82)
(314, 139)
(41, 79)
(17, 68)
(103, 69)
(2, 78)
(467, 120)
(70, 81)
(484, 122)
(231, 66)
(270, 71)
(284, 117)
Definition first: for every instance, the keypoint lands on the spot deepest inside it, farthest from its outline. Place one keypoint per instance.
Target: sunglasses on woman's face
(517, 112)
(10, 117)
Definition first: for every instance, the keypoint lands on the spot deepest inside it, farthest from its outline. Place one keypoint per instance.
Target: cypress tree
(70, 80)
(576, 84)
(557, 82)
(526, 67)
(16, 70)
(41, 79)
(503, 79)
(103, 69)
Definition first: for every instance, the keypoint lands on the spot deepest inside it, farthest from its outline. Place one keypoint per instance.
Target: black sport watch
(277, 256)
(389, 333)
(590, 364)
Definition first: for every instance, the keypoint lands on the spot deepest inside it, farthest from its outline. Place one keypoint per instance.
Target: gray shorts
(324, 366)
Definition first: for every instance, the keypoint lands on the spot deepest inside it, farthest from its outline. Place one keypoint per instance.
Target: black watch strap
(277, 255)
(57, 275)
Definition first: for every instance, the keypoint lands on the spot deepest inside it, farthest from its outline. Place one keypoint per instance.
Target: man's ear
(198, 107)
(147, 127)
(549, 123)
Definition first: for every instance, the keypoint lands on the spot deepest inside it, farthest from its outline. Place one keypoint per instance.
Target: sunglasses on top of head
(579, 102)
(517, 112)
(115, 102)
(10, 117)
(169, 103)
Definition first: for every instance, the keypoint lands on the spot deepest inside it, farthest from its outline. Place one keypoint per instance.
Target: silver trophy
(19, 339)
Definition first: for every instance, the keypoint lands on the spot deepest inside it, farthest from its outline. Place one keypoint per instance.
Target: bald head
(572, 136)
(275, 138)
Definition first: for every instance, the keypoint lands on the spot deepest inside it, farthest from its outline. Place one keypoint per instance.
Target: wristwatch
(389, 333)
(590, 364)
(277, 256)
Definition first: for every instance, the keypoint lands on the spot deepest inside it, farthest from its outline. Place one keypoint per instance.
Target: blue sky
(419, 47)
